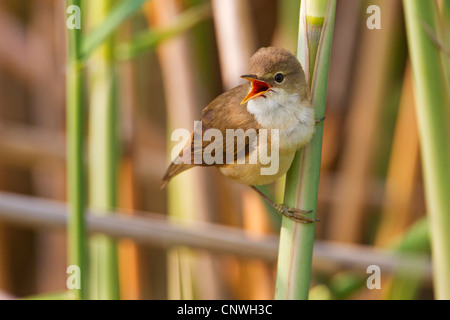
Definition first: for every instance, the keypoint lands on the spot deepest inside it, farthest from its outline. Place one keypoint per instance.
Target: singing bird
(275, 97)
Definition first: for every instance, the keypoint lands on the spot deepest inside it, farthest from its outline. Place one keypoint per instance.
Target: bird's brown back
(224, 112)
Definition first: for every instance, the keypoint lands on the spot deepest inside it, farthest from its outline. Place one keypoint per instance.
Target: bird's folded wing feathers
(223, 113)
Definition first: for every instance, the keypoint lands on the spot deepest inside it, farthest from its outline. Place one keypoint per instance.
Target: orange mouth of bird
(259, 88)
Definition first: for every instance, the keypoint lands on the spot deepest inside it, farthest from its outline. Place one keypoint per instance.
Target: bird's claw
(319, 120)
(297, 215)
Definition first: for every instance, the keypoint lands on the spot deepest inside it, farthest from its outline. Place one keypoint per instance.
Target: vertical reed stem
(75, 154)
(302, 181)
(432, 113)
(103, 155)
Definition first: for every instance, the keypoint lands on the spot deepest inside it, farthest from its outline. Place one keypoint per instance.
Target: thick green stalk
(103, 156)
(445, 18)
(315, 11)
(432, 110)
(302, 180)
(75, 154)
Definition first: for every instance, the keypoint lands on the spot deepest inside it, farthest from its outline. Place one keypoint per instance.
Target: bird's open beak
(259, 87)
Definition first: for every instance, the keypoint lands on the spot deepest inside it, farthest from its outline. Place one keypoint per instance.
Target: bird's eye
(279, 77)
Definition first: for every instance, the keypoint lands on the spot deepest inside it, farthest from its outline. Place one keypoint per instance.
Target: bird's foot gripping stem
(319, 120)
(297, 215)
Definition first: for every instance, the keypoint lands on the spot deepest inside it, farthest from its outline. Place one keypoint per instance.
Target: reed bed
(80, 168)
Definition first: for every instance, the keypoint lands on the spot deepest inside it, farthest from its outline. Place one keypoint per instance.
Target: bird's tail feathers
(174, 170)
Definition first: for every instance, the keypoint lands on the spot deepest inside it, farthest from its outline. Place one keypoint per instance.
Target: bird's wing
(223, 113)
(226, 113)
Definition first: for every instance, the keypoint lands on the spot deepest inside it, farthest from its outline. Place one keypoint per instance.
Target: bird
(274, 101)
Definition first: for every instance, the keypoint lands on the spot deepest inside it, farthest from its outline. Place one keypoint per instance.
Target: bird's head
(274, 74)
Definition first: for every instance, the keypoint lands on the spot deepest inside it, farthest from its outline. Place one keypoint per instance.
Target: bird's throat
(278, 110)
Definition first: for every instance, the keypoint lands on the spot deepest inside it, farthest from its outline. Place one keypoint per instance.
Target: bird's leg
(319, 120)
(297, 215)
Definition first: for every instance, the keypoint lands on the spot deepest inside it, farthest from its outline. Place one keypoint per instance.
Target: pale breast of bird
(294, 120)
(292, 117)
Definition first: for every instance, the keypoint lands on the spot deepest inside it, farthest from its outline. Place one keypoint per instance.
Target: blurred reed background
(162, 65)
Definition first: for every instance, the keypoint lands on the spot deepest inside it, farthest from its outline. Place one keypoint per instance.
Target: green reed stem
(103, 154)
(75, 157)
(302, 180)
(433, 118)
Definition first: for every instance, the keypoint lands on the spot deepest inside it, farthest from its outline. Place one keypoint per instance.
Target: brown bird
(275, 99)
